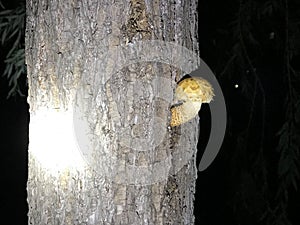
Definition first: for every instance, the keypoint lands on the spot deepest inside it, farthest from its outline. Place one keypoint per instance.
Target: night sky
(233, 179)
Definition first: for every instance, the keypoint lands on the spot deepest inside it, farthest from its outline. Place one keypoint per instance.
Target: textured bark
(66, 54)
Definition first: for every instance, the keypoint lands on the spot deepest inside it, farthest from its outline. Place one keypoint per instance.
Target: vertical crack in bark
(137, 22)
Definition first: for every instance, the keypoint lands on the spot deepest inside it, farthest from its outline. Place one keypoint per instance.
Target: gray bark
(83, 56)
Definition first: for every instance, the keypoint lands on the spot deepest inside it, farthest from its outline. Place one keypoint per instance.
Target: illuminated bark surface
(72, 70)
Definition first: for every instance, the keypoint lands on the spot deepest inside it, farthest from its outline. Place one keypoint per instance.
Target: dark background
(250, 182)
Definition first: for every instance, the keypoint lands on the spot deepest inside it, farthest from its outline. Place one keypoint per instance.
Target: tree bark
(94, 59)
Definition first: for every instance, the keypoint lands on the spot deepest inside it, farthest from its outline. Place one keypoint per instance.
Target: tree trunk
(101, 79)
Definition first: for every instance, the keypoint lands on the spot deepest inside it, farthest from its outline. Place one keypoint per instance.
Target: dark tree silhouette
(255, 45)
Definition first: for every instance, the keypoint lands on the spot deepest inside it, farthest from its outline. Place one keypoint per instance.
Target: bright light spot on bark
(236, 85)
(52, 141)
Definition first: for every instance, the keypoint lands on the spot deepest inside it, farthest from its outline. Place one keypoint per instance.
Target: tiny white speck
(236, 85)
